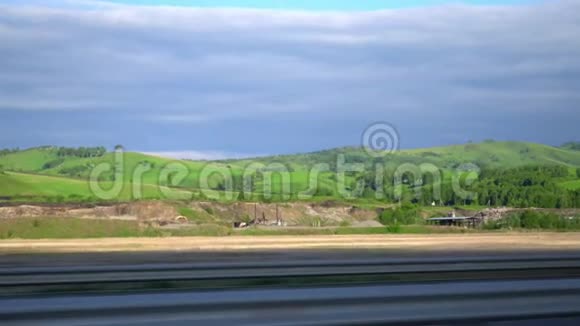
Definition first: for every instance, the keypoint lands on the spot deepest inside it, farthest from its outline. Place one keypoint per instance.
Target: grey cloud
(170, 65)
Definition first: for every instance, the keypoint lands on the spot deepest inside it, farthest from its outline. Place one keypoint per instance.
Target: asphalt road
(324, 288)
(426, 303)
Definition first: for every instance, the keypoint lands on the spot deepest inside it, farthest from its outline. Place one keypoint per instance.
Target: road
(408, 303)
(330, 288)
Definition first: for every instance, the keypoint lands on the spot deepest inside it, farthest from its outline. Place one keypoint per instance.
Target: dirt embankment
(158, 212)
(129, 211)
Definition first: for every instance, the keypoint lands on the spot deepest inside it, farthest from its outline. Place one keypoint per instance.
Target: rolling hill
(487, 154)
(44, 173)
(35, 187)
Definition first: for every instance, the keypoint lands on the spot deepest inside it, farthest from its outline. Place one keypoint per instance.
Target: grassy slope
(498, 154)
(33, 186)
(67, 228)
(494, 154)
(491, 154)
(27, 160)
(38, 185)
(504, 154)
(572, 184)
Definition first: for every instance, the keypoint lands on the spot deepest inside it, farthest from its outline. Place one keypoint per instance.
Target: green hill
(50, 172)
(33, 187)
(487, 154)
(28, 160)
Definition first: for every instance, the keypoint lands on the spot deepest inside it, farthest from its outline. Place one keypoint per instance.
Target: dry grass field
(427, 243)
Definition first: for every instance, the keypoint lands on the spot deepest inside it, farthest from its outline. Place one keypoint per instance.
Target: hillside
(47, 172)
(35, 188)
(487, 154)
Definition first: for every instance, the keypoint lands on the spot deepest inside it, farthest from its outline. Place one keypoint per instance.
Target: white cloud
(202, 155)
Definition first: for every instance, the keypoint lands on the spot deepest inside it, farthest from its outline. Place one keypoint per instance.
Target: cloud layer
(238, 80)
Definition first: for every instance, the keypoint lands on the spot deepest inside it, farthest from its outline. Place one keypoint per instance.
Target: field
(67, 228)
(422, 243)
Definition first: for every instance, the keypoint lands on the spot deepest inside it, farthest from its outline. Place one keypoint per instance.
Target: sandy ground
(446, 242)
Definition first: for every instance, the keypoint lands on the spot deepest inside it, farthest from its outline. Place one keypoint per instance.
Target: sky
(316, 4)
(228, 79)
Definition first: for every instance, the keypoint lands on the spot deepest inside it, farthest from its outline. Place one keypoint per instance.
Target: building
(455, 221)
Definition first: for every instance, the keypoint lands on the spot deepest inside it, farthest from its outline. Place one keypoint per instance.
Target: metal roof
(457, 218)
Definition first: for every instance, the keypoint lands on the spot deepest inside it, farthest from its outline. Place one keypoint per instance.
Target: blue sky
(230, 83)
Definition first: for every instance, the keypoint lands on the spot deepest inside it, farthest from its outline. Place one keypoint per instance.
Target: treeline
(525, 187)
(81, 151)
(532, 186)
(527, 173)
(406, 214)
(535, 220)
(65, 151)
(573, 145)
(6, 151)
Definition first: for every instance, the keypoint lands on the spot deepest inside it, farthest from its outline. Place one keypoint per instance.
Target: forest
(530, 186)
